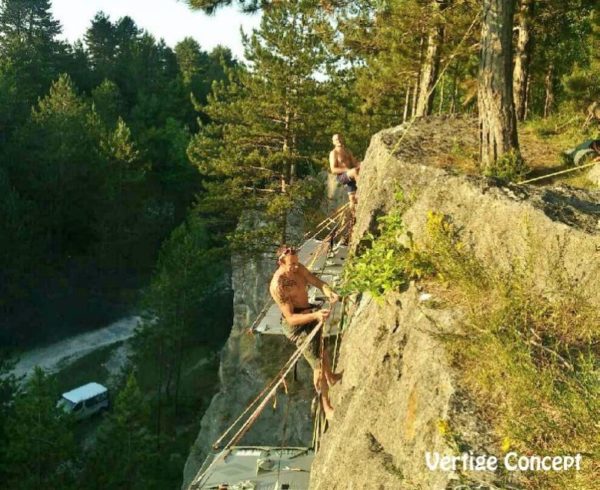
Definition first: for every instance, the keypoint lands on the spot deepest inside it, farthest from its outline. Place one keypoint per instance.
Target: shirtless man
(289, 290)
(345, 167)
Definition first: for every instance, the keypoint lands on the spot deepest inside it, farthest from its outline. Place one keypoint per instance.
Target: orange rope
(246, 426)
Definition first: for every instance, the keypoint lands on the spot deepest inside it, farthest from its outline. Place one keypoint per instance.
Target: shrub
(388, 259)
(530, 356)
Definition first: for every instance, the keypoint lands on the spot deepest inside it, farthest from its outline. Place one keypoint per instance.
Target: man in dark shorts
(289, 290)
(344, 166)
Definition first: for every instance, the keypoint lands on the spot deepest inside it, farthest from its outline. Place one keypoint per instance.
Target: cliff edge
(402, 395)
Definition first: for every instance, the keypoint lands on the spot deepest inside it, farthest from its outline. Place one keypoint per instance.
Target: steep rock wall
(248, 362)
(399, 390)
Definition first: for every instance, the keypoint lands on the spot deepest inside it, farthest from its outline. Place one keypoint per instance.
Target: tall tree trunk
(178, 378)
(549, 87)
(454, 89)
(527, 96)
(406, 103)
(418, 78)
(523, 52)
(413, 111)
(431, 64)
(286, 176)
(441, 106)
(497, 121)
(158, 395)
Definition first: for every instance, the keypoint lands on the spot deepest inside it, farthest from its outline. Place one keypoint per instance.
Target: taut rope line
(244, 428)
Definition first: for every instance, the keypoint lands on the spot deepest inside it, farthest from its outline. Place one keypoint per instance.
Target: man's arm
(280, 293)
(333, 164)
(316, 282)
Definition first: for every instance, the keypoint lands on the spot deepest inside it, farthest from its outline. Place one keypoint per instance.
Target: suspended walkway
(234, 467)
(260, 468)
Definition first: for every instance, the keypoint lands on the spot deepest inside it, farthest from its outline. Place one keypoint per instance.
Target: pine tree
(124, 456)
(569, 64)
(191, 59)
(16, 227)
(190, 279)
(266, 135)
(9, 388)
(101, 42)
(119, 216)
(108, 102)
(40, 450)
(497, 120)
(397, 51)
(28, 42)
(210, 6)
(56, 163)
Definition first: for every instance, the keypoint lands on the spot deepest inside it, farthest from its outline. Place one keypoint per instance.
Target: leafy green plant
(528, 353)
(389, 259)
(510, 167)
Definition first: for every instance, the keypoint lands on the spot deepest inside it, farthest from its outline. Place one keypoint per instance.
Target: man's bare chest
(343, 158)
(293, 283)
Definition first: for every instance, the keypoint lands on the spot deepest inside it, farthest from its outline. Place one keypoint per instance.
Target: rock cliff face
(594, 175)
(399, 389)
(248, 362)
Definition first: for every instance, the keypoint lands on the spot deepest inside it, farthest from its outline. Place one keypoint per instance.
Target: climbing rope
(283, 432)
(591, 164)
(327, 221)
(335, 219)
(271, 387)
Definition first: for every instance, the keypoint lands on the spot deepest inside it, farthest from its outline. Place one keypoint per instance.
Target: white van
(85, 400)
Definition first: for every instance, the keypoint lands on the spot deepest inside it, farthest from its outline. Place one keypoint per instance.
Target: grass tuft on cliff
(530, 356)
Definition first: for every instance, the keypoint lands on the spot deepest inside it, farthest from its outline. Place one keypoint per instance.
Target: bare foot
(327, 408)
(333, 378)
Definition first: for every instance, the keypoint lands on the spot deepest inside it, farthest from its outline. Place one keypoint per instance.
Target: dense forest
(125, 166)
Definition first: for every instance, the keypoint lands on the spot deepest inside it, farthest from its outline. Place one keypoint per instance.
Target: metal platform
(257, 468)
(329, 268)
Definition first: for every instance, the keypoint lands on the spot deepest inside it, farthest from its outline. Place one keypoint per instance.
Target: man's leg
(353, 200)
(330, 376)
(312, 354)
(321, 381)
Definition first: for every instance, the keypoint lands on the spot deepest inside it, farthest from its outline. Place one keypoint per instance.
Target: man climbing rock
(345, 167)
(289, 290)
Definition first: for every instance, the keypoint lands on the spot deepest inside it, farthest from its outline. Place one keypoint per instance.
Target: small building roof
(84, 392)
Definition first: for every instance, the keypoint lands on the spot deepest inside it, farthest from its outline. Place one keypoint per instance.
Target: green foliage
(510, 167)
(95, 175)
(266, 137)
(39, 449)
(108, 103)
(55, 161)
(30, 48)
(124, 456)
(388, 259)
(528, 353)
(450, 255)
(210, 6)
(185, 304)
